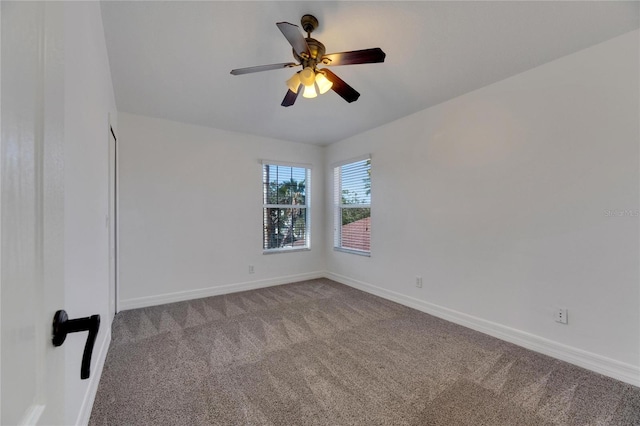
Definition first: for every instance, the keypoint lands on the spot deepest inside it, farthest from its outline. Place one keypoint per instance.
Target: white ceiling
(172, 59)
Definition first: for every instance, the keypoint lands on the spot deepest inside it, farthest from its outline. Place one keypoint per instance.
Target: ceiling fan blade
(259, 68)
(366, 56)
(347, 92)
(289, 98)
(294, 37)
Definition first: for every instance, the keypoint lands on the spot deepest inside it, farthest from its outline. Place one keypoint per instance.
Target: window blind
(352, 201)
(285, 207)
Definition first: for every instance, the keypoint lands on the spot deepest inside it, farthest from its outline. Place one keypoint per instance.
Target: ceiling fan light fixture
(310, 53)
(323, 83)
(294, 83)
(307, 76)
(310, 91)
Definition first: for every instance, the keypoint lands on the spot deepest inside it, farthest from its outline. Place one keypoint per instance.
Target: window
(285, 207)
(352, 201)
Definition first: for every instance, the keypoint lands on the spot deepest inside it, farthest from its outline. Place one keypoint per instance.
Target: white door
(112, 220)
(32, 251)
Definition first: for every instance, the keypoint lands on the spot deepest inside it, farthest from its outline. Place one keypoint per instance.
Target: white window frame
(339, 206)
(306, 206)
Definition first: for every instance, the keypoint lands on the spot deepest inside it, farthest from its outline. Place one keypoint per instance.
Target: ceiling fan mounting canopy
(310, 53)
(309, 23)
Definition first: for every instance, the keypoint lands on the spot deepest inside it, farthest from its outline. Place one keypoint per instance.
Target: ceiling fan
(310, 53)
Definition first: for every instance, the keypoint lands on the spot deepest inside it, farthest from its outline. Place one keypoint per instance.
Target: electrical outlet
(419, 282)
(251, 270)
(562, 315)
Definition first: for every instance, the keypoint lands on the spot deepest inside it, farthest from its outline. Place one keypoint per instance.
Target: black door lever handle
(62, 326)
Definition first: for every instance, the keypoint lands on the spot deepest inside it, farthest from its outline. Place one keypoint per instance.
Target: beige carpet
(321, 353)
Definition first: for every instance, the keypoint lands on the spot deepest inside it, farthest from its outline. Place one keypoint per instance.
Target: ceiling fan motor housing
(316, 52)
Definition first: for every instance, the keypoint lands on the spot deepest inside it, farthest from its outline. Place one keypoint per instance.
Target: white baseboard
(143, 302)
(94, 380)
(609, 367)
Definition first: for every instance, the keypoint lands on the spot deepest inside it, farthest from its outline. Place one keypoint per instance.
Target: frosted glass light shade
(310, 91)
(307, 76)
(294, 83)
(323, 83)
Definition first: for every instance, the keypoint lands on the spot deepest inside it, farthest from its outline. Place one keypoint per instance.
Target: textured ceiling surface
(172, 59)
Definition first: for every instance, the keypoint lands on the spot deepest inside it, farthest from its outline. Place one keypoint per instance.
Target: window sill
(285, 250)
(352, 251)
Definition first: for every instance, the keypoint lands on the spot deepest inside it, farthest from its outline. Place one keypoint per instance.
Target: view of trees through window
(285, 210)
(353, 206)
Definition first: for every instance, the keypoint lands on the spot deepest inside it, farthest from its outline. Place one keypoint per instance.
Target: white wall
(89, 100)
(190, 212)
(499, 200)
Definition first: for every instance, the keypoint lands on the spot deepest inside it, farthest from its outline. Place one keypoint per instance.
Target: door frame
(113, 217)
